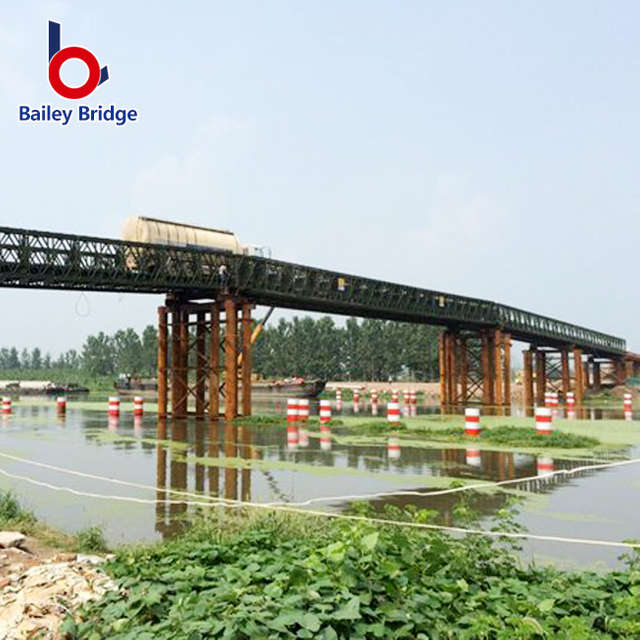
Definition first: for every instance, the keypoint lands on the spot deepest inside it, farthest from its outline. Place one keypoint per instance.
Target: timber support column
(578, 373)
(201, 363)
(527, 381)
(587, 377)
(247, 361)
(507, 369)
(628, 366)
(464, 371)
(179, 355)
(541, 377)
(565, 372)
(498, 370)
(183, 405)
(442, 362)
(214, 362)
(162, 362)
(597, 377)
(451, 368)
(231, 359)
(488, 369)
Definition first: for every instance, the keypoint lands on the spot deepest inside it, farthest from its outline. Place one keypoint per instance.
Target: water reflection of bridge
(210, 443)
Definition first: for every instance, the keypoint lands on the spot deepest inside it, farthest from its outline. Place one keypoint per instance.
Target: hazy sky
(484, 148)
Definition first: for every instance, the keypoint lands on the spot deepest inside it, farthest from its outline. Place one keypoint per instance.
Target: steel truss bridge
(36, 259)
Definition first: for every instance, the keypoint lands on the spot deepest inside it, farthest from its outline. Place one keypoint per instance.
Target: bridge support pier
(190, 365)
(578, 372)
(541, 376)
(475, 366)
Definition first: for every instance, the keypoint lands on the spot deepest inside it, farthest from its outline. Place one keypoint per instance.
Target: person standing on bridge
(223, 273)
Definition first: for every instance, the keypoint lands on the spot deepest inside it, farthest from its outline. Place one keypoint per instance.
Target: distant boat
(290, 387)
(40, 387)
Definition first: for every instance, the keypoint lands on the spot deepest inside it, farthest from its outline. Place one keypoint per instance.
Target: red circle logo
(69, 53)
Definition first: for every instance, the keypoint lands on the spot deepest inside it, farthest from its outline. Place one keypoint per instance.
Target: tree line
(359, 350)
(102, 355)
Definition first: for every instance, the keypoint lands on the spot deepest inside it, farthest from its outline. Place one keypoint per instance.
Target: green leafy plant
(91, 539)
(291, 576)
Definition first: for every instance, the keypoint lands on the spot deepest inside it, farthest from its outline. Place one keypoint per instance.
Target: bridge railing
(36, 258)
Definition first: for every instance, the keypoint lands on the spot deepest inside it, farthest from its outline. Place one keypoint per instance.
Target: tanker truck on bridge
(176, 234)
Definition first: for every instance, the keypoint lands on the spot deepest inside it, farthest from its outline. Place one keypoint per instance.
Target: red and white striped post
(395, 396)
(548, 399)
(292, 435)
(61, 405)
(545, 466)
(571, 405)
(303, 438)
(472, 421)
(137, 425)
(393, 412)
(393, 448)
(292, 410)
(473, 457)
(303, 409)
(325, 438)
(374, 402)
(6, 404)
(356, 401)
(627, 402)
(113, 406)
(544, 425)
(138, 406)
(112, 423)
(325, 411)
(338, 399)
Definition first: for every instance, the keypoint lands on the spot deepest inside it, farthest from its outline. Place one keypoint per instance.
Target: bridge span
(475, 345)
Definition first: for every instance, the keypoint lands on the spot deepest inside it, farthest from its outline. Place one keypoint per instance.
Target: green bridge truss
(34, 259)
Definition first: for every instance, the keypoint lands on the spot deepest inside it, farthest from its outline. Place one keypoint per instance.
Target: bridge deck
(32, 259)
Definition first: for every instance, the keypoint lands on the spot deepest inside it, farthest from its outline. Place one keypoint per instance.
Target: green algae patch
(105, 436)
(571, 438)
(317, 470)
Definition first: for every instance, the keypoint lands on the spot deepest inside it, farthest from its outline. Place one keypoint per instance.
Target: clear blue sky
(483, 148)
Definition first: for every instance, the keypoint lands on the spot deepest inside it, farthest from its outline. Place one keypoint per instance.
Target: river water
(145, 458)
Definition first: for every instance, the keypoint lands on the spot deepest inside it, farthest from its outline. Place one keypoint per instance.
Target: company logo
(58, 56)
(84, 113)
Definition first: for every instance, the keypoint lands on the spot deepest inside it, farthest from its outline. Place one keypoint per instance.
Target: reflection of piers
(173, 470)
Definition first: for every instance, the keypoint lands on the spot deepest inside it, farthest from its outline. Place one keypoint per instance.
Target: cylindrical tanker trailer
(153, 231)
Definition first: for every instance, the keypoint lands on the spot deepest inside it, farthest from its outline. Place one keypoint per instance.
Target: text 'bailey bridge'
(475, 347)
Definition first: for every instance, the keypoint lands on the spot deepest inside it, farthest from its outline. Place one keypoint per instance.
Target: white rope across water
(340, 498)
(442, 492)
(325, 514)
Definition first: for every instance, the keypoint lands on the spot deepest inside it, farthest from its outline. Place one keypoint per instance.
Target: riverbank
(283, 576)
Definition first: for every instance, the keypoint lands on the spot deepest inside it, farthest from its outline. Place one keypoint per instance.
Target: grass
(266, 421)
(91, 539)
(15, 517)
(576, 438)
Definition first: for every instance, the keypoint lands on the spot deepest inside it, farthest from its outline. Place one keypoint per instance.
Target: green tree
(98, 355)
(127, 350)
(36, 359)
(149, 350)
